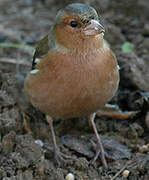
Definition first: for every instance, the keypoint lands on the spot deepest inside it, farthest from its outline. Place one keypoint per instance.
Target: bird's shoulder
(42, 49)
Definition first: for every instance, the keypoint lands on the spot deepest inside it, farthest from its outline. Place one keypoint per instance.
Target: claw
(97, 149)
(62, 158)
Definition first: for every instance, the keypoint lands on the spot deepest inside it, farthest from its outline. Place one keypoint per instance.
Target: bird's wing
(42, 48)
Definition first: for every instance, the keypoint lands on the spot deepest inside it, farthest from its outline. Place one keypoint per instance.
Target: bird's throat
(77, 43)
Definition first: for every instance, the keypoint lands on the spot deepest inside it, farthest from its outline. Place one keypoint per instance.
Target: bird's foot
(61, 158)
(99, 153)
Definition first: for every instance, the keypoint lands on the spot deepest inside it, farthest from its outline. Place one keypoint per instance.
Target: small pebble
(39, 142)
(125, 174)
(147, 119)
(148, 145)
(143, 149)
(70, 176)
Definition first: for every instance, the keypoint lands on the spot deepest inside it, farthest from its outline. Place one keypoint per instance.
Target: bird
(74, 72)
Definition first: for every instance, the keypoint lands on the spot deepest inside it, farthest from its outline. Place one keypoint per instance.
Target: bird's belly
(73, 91)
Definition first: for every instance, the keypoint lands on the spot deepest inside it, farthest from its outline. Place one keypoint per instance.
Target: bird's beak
(93, 28)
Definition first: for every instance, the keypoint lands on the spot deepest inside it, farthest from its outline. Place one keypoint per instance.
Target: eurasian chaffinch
(74, 72)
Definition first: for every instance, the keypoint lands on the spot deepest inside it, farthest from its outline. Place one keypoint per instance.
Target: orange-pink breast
(73, 85)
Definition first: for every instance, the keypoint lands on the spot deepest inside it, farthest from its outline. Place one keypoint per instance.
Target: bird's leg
(59, 156)
(100, 149)
(50, 121)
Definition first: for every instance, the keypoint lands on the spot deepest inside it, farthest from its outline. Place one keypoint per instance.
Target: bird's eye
(73, 23)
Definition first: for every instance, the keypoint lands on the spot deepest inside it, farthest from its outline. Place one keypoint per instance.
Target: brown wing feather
(41, 49)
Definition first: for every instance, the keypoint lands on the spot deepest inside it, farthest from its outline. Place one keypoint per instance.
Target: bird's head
(76, 25)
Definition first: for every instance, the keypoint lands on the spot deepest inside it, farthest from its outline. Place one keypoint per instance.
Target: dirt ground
(24, 132)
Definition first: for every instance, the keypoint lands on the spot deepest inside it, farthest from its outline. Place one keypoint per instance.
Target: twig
(19, 46)
(14, 61)
(122, 169)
